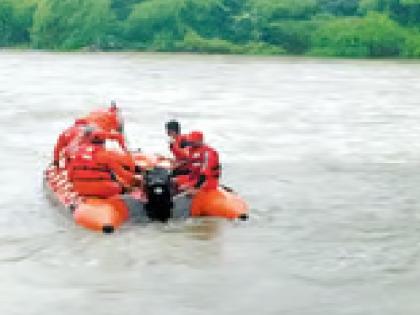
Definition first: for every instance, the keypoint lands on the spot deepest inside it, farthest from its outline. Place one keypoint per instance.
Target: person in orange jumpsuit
(178, 145)
(203, 163)
(94, 171)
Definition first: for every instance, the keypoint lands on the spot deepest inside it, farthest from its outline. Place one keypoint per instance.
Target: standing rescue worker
(178, 145)
(204, 165)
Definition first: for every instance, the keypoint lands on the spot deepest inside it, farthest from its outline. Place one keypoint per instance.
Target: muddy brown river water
(327, 153)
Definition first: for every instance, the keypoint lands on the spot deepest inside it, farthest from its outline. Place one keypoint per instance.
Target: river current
(326, 152)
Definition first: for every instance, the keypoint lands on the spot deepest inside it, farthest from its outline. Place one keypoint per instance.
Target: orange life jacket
(205, 161)
(205, 169)
(84, 167)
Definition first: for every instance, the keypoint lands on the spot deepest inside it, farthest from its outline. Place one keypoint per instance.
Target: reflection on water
(326, 152)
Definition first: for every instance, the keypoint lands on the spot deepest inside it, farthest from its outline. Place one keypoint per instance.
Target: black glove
(200, 181)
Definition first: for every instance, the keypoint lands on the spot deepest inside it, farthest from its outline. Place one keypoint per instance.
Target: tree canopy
(351, 28)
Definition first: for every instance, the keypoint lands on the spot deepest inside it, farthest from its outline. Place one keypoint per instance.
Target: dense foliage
(351, 28)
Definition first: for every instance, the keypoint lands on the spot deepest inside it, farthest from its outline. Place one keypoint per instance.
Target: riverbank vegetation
(349, 28)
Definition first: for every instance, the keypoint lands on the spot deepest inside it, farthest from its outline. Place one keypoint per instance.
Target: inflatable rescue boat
(154, 201)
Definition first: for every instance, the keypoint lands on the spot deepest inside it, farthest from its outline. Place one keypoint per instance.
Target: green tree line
(350, 28)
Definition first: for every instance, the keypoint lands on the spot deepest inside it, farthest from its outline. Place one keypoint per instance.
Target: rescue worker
(204, 165)
(94, 171)
(178, 145)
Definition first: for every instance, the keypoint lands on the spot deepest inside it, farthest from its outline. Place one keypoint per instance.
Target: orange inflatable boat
(154, 201)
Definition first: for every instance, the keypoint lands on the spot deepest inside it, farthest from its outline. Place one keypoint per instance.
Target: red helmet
(196, 137)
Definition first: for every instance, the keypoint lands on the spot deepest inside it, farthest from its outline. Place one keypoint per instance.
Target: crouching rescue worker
(95, 171)
(204, 164)
(178, 144)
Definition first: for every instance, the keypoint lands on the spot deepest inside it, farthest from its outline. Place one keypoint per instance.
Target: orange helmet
(196, 137)
(104, 120)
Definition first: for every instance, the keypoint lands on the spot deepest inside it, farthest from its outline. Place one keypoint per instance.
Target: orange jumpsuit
(94, 171)
(205, 169)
